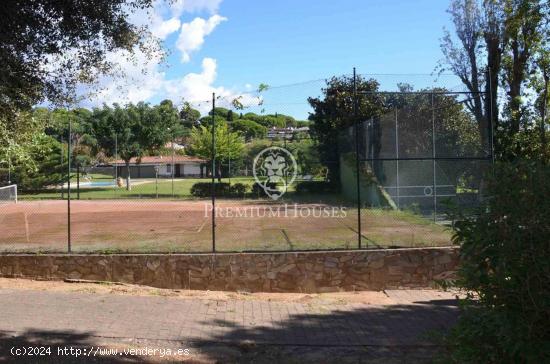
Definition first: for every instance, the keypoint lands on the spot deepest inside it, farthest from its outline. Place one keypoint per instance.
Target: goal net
(8, 194)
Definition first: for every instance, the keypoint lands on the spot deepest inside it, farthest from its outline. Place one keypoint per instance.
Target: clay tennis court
(185, 226)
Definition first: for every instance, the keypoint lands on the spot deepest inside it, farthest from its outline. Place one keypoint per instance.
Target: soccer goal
(8, 194)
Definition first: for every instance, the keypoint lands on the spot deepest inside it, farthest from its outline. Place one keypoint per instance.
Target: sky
(231, 46)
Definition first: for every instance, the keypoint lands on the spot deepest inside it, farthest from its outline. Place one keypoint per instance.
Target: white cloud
(192, 34)
(163, 28)
(191, 6)
(197, 89)
(145, 81)
(143, 77)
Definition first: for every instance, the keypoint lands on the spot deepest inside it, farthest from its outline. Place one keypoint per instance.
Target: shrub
(314, 187)
(204, 189)
(505, 269)
(238, 190)
(258, 190)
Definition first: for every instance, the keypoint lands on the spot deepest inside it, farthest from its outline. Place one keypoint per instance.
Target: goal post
(8, 194)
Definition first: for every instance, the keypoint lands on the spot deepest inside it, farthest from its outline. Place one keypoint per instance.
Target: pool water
(100, 184)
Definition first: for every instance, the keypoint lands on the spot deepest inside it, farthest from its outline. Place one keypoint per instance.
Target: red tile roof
(178, 159)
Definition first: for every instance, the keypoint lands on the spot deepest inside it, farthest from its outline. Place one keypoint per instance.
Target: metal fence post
(213, 174)
(434, 191)
(490, 117)
(397, 159)
(69, 186)
(173, 163)
(357, 164)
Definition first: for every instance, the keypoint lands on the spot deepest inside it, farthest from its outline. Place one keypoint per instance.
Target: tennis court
(186, 226)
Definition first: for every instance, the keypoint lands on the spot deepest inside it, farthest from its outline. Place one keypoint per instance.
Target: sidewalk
(397, 319)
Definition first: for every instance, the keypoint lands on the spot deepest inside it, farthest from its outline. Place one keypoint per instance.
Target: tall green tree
(47, 47)
(138, 129)
(493, 49)
(228, 144)
(189, 116)
(249, 129)
(334, 113)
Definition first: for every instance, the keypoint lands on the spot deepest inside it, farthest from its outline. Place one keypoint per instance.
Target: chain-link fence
(308, 166)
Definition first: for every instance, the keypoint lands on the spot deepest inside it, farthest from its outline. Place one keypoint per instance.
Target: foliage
(189, 116)
(505, 268)
(249, 129)
(333, 113)
(228, 144)
(20, 138)
(307, 157)
(314, 187)
(220, 111)
(238, 189)
(48, 47)
(207, 120)
(273, 120)
(501, 47)
(136, 129)
(47, 168)
(258, 191)
(204, 189)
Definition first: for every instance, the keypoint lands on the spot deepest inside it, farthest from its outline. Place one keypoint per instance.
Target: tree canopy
(228, 144)
(137, 129)
(502, 45)
(333, 113)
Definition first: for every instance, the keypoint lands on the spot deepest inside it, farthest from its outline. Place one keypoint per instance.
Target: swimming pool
(98, 184)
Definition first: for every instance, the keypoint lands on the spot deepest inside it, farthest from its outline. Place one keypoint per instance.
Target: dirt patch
(366, 297)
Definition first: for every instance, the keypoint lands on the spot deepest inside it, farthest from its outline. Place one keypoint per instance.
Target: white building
(179, 165)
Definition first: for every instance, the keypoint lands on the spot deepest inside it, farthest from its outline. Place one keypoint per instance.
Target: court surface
(186, 226)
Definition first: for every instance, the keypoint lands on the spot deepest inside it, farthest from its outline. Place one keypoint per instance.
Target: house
(285, 133)
(165, 166)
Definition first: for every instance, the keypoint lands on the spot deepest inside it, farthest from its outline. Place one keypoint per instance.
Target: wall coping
(343, 251)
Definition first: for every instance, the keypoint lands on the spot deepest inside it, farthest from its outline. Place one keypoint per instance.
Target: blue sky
(231, 46)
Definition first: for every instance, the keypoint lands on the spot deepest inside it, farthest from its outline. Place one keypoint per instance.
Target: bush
(258, 191)
(238, 190)
(204, 189)
(46, 169)
(505, 268)
(314, 187)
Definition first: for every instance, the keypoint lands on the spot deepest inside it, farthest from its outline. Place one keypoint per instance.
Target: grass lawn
(141, 188)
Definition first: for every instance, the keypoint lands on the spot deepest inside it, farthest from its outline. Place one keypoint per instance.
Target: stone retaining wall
(268, 272)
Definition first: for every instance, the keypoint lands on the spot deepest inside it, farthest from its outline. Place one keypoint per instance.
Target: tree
(138, 129)
(335, 112)
(498, 41)
(505, 270)
(189, 116)
(47, 47)
(207, 120)
(46, 169)
(465, 59)
(524, 21)
(230, 115)
(249, 129)
(220, 111)
(83, 143)
(228, 145)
